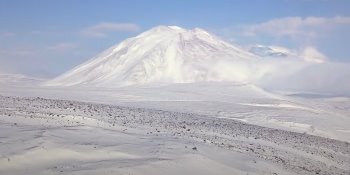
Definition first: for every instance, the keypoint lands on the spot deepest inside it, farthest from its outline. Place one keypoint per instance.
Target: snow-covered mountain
(308, 54)
(161, 54)
(18, 79)
(271, 51)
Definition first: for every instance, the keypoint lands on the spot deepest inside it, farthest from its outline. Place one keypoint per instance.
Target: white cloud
(328, 78)
(45, 33)
(329, 34)
(311, 54)
(101, 29)
(295, 26)
(62, 47)
(22, 52)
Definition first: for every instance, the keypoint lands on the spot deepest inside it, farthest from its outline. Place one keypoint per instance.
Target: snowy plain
(195, 128)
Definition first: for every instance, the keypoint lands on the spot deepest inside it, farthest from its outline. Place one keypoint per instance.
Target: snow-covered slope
(161, 54)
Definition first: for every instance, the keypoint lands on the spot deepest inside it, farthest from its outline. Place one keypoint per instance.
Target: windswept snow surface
(43, 136)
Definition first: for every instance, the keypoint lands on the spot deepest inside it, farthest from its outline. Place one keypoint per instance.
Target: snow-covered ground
(43, 136)
(151, 129)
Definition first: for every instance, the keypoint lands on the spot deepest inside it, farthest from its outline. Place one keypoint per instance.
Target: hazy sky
(45, 38)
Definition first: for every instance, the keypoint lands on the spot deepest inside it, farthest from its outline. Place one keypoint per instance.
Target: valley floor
(47, 136)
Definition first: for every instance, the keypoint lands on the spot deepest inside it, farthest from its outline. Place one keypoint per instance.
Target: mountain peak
(162, 28)
(175, 27)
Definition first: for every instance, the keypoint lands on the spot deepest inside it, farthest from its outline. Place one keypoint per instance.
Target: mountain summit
(162, 54)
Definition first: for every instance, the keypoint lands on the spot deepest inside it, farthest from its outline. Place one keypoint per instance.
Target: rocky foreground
(31, 124)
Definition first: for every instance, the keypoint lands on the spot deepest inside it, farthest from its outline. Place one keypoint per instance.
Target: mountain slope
(161, 54)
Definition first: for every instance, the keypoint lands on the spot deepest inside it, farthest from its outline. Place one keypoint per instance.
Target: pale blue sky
(45, 38)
